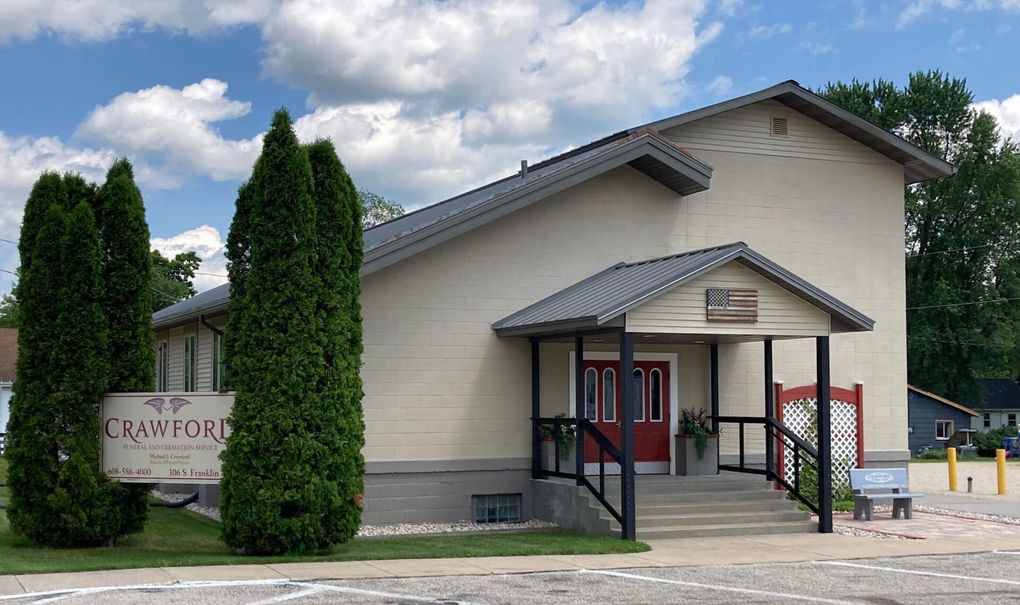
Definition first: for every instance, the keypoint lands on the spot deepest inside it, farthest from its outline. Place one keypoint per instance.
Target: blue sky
(427, 99)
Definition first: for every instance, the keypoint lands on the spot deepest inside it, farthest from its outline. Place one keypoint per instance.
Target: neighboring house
(776, 216)
(999, 405)
(8, 359)
(936, 422)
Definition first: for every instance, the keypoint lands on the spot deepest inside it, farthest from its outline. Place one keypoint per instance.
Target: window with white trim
(1010, 419)
(590, 392)
(609, 395)
(943, 429)
(986, 420)
(639, 395)
(655, 396)
(190, 359)
(162, 366)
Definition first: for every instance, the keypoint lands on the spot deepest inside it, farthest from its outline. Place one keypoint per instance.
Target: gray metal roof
(602, 300)
(918, 164)
(206, 302)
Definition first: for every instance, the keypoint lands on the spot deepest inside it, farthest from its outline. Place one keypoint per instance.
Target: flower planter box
(687, 461)
(550, 452)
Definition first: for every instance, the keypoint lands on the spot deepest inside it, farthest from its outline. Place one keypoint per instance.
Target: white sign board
(165, 437)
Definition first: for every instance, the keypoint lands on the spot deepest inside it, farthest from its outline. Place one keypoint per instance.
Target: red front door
(603, 406)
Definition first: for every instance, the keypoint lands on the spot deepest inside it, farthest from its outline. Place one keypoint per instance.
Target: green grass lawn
(180, 537)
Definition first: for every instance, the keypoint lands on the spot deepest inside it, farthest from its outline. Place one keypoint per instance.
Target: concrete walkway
(664, 553)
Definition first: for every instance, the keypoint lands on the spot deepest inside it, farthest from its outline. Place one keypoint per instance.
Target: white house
(707, 256)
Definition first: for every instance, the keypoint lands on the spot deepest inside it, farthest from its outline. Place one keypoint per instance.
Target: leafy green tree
(376, 209)
(962, 234)
(339, 254)
(9, 309)
(172, 278)
(276, 494)
(127, 304)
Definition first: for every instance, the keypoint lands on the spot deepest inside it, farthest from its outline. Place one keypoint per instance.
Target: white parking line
(51, 596)
(933, 574)
(763, 593)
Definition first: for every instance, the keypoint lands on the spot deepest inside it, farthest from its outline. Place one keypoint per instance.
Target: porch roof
(602, 300)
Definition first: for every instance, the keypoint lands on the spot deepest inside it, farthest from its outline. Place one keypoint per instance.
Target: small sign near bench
(871, 484)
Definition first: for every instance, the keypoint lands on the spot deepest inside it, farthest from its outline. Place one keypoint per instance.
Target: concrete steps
(698, 507)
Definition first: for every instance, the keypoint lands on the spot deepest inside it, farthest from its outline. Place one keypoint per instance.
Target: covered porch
(633, 324)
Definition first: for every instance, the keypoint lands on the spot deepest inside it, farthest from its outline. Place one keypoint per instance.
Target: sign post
(164, 437)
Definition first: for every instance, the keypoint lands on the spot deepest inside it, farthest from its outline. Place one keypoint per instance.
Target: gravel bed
(206, 511)
(864, 533)
(967, 515)
(395, 529)
(406, 529)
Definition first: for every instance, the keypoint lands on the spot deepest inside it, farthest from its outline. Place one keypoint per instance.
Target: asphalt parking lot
(973, 578)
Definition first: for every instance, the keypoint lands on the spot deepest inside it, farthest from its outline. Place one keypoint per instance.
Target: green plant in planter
(695, 424)
(564, 437)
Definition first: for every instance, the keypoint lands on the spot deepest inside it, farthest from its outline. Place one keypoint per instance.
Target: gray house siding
(922, 412)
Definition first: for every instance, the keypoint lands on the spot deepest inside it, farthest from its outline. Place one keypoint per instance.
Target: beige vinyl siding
(176, 365)
(203, 366)
(748, 130)
(682, 309)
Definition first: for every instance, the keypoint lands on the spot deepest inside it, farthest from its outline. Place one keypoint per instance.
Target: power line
(964, 249)
(963, 304)
(9, 241)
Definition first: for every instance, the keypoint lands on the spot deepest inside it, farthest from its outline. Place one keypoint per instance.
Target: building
(8, 360)
(936, 422)
(1000, 404)
(706, 255)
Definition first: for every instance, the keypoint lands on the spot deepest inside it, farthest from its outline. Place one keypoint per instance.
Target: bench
(864, 482)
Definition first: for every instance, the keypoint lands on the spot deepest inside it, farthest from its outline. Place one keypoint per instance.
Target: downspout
(214, 329)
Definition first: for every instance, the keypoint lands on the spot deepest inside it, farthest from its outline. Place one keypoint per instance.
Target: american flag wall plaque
(725, 304)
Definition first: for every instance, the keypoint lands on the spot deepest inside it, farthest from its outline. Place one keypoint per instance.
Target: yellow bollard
(1000, 469)
(951, 458)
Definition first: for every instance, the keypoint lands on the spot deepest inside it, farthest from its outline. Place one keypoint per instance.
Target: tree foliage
(376, 209)
(339, 252)
(962, 236)
(172, 278)
(281, 468)
(9, 309)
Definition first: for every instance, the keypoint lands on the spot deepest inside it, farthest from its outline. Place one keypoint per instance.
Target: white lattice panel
(800, 415)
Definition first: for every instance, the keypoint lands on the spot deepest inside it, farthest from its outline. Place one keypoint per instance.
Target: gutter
(212, 328)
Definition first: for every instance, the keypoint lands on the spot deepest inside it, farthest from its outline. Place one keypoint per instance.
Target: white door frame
(674, 407)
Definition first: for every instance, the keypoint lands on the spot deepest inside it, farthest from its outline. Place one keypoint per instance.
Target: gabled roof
(602, 300)
(207, 302)
(918, 164)
(642, 149)
(942, 400)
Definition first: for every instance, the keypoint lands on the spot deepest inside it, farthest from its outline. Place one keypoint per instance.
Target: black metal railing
(805, 456)
(607, 452)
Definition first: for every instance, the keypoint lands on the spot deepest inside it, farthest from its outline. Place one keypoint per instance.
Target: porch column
(824, 437)
(770, 411)
(536, 412)
(579, 407)
(627, 436)
(714, 385)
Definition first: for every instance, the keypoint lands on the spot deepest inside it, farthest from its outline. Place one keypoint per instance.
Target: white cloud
(171, 131)
(210, 247)
(816, 48)
(767, 31)
(919, 8)
(720, 85)
(97, 20)
(1006, 112)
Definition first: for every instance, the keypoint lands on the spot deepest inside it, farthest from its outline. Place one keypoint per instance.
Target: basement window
(497, 508)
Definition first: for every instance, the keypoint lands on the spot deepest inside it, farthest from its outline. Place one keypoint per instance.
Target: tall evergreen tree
(962, 234)
(59, 494)
(235, 344)
(127, 303)
(339, 254)
(275, 494)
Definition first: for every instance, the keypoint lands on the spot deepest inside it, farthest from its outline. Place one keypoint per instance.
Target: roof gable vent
(780, 126)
